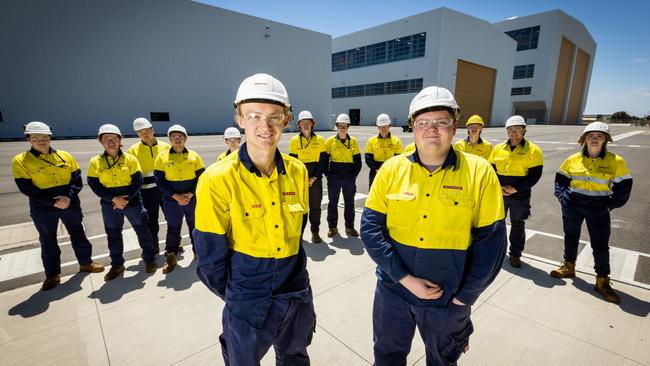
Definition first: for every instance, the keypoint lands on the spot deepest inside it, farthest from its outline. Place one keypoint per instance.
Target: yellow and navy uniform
(177, 173)
(594, 183)
(120, 177)
(247, 235)
(379, 149)
(344, 156)
(483, 148)
(41, 177)
(312, 153)
(520, 167)
(428, 224)
(147, 157)
(224, 154)
(409, 148)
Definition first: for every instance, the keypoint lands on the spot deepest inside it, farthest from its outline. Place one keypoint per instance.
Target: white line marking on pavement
(625, 135)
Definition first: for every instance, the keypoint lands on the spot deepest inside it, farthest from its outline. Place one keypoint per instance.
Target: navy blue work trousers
(599, 227)
(315, 211)
(336, 184)
(445, 331)
(174, 214)
(152, 201)
(519, 213)
(47, 224)
(288, 327)
(114, 223)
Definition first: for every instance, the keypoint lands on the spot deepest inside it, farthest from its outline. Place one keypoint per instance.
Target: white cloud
(639, 60)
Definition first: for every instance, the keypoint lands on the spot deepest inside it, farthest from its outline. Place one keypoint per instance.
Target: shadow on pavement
(354, 245)
(40, 301)
(112, 291)
(629, 303)
(539, 277)
(318, 252)
(181, 278)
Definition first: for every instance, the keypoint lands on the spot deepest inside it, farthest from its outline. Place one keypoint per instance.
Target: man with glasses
(381, 147)
(146, 151)
(344, 167)
(473, 143)
(177, 171)
(434, 224)
(52, 180)
(519, 165)
(249, 214)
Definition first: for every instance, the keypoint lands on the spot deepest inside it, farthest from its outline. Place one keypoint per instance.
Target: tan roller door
(474, 90)
(577, 87)
(561, 81)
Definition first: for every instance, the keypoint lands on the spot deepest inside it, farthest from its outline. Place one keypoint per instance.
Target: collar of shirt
(602, 154)
(450, 160)
(172, 151)
(347, 138)
(119, 154)
(155, 142)
(37, 153)
(480, 140)
(522, 143)
(387, 137)
(248, 163)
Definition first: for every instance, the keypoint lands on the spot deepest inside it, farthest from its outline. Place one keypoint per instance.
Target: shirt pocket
(457, 213)
(400, 207)
(293, 215)
(248, 223)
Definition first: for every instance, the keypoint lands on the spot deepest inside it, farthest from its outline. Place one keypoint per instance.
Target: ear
(239, 121)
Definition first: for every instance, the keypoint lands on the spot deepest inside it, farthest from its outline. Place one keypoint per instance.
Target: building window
(527, 38)
(389, 87)
(520, 91)
(398, 49)
(159, 116)
(524, 71)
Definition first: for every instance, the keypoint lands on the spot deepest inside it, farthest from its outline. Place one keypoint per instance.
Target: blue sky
(621, 76)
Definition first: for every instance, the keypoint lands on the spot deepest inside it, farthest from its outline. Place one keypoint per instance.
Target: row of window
(521, 91)
(524, 71)
(527, 38)
(397, 49)
(389, 87)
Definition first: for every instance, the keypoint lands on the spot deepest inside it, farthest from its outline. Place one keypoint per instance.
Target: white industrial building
(555, 57)
(380, 69)
(76, 64)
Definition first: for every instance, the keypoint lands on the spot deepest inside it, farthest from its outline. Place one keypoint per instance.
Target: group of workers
(433, 221)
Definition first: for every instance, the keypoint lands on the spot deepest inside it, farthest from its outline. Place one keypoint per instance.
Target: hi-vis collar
(450, 160)
(248, 163)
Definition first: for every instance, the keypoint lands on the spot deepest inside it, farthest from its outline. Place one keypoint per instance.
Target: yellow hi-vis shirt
(113, 173)
(594, 176)
(224, 154)
(147, 157)
(516, 163)
(383, 149)
(409, 148)
(307, 151)
(342, 151)
(45, 171)
(179, 167)
(436, 210)
(260, 215)
(483, 148)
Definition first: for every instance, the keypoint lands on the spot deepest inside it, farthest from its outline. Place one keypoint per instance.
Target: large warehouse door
(474, 90)
(561, 81)
(577, 87)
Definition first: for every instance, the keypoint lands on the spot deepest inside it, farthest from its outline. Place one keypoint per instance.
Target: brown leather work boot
(50, 282)
(604, 288)
(515, 261)
(352, 232)
(170, 262)
(113, 273)
(566, 270)
(92, 267)
(315, 238)
(150, 267)
(332, 231)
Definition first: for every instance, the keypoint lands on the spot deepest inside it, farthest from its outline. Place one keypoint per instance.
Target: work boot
(604, 288)
(150, 267)
(332, 231)
(180, 248)
(113, 273)
(170, 262)
(352, 232)
(566, 270)
(50, 282)
(315, 238)
(92, 267)
(515, 261)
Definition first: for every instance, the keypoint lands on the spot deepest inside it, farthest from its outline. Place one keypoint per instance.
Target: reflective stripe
(621, 178)
(590, 179)
(591, 193)
(147, 186)
(560, 171)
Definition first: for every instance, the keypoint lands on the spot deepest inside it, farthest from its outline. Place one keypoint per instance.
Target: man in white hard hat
(52, 180)
(434, 224)
(473, 143)
(344, 167)
(232, 136)
(116, 177)
(518, 163)
(590, 184)
(146, 150)
(309, 148)
(249, 213)
(177, 171)
(381, 147)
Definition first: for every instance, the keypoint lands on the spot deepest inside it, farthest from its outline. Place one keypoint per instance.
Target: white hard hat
(109, 128)
(343, 118)
(305, 115)
(141, 123)
(515, 121)
(262, 87)
(596, 127)
(231, 133)
(433, 96)
(383, 120)
(37, 127)
(176, 128)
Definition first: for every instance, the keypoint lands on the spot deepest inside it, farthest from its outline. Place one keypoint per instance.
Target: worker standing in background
(518, 163)
(309, 148)
(232, 136)
(473, 143)
(344, 167)
(52, 180)
(381, 147)
(146, 150)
